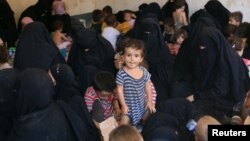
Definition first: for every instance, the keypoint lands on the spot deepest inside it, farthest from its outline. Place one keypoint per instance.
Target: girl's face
(233, 21)
(180, 40)
(132, 57)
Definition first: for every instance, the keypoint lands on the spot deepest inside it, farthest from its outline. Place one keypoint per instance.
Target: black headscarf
(203, 13)
(80, 107)
(66, 85)
(148, 30)
(159, 120)
(37, 117)
(158, 56)
(89, 54)
(168, 9)
(218, 11)
(38, 12)
(172, 114)
(7, 100)
(164, 133)
(36, 48)
(185, 59)
(35, 91)
(220, 74)
(8, 31)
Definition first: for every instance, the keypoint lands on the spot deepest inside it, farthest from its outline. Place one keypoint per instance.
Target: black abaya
(38, 117)
(36, 48)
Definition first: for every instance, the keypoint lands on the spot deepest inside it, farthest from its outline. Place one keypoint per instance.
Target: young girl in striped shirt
(133, 84)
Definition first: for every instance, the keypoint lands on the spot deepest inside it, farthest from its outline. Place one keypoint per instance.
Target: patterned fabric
(134, 93)
(153, 92)
(90, 96)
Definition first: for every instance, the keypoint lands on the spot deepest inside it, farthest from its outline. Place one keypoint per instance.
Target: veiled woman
(89, 54)
(36, 48)
(38, 118)
(221, 78)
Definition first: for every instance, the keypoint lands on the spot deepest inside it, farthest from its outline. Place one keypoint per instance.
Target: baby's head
(104, 84)
(179, 36)
(235, 18)
(25, 21)
(58, 26)
(111, 20)
(127, 15)
(125, 133)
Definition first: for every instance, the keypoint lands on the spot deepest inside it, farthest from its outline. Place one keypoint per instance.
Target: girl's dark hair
(104, 81)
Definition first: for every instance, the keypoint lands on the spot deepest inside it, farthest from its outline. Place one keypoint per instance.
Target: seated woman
(38, 117)
(58, 12)
(36, 48)
(221, 79)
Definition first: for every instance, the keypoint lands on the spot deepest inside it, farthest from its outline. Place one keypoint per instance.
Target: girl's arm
(121, 99)
(150, 105)
(117, 109)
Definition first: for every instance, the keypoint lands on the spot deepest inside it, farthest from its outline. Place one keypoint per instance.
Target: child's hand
(124, 109)
(118, 112)
(151, 107)
(190, 98)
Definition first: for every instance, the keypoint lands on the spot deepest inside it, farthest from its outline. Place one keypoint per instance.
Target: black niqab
(220, 74)
(38, 12)
(158, 56)
(218, 11)
(185, 59)
(168, 9)
(89, 54)
(36, 48)
(37, 117)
